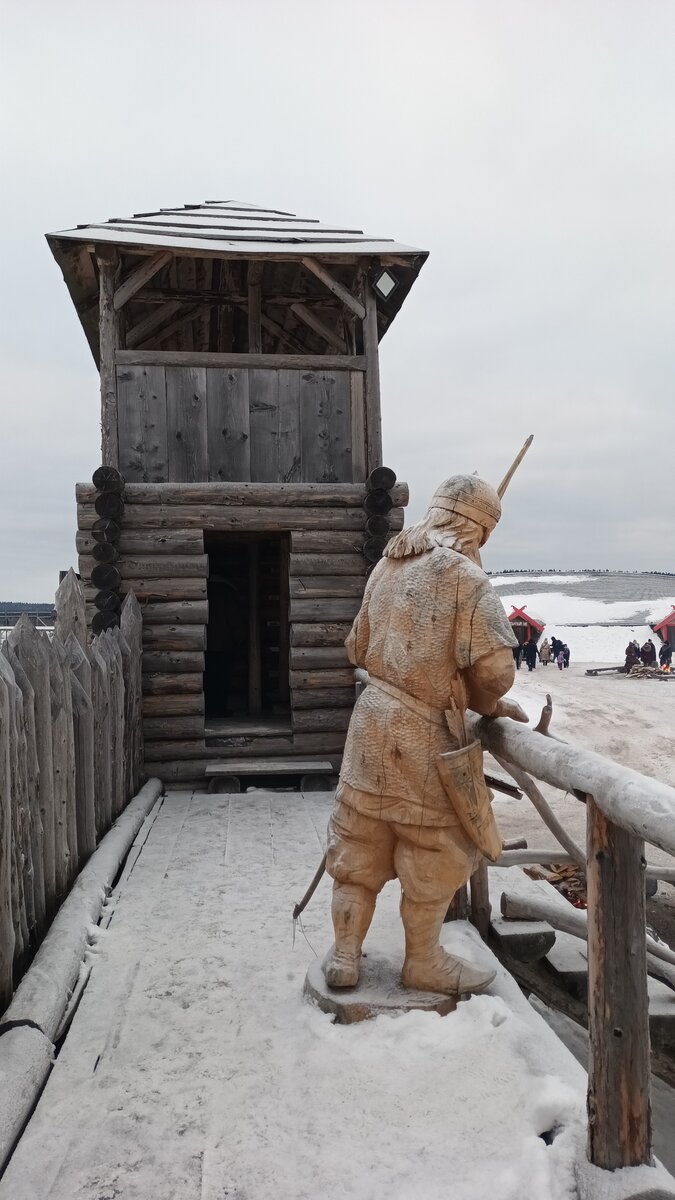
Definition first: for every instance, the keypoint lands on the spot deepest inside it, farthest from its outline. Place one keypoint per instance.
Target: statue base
(379, 990)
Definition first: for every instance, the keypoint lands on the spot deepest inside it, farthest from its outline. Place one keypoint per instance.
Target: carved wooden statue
(434, 638)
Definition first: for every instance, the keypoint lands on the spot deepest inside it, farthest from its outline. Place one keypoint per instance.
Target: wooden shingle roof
(233, 228)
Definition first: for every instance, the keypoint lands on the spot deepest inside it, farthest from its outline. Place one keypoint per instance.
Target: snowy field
(596, 615)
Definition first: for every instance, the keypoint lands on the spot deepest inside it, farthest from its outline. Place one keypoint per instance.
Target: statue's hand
(511, 708)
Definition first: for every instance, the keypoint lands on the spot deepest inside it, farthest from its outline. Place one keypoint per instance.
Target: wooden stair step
(270, 766)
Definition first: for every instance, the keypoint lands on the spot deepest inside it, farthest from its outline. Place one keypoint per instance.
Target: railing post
(480, 899)
(619, 1109)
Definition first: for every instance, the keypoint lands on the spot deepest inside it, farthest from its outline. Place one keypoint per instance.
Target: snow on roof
(234, 227)
(666, 622)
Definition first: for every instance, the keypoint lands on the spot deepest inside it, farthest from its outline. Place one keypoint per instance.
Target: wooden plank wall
(186, 424)
(162, 560)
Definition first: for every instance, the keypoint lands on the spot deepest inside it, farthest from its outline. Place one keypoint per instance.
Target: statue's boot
(428, 967)
(352, 911)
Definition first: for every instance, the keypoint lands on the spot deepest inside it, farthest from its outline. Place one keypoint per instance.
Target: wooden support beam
(619, 1110)
(254, 278)
(224, 299)
(307, 317)
(254, 643)
(338, 289)
(178, 322)
(151, 323)
(108, 325)
(372, 406)
(139, 277)
(194, 358)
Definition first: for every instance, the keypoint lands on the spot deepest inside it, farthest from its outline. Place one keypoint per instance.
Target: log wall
(162, 560)
(70, 761)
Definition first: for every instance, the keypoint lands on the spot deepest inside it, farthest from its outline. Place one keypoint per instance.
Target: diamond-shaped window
(385, 284)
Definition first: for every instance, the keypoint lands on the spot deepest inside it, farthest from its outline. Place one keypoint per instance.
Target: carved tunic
(432, 629)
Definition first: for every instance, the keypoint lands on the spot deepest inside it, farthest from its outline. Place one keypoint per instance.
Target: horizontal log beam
(336, 697)
(149, 542)
(311, 541)
(191, 358)
(326, 587)
(156, 589)
(223, 517)
(246, 495)
(314, 720)
(154, 566)
(326, 634)
(178, 612)
(174, 661)
(324, 610)
(325, 677)
(326, 564)
(170, 683)
(173, 706)
(314, 658)
(174, 637)
(172, 728)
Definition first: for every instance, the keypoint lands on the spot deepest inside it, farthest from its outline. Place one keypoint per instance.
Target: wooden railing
(70, 761)
(623, 810)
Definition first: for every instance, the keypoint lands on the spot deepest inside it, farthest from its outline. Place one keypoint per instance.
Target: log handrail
(640, 805)
(623, 810)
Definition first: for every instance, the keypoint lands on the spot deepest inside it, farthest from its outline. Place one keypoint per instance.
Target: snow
(552, 577)
(194, 1069)
(579, 610)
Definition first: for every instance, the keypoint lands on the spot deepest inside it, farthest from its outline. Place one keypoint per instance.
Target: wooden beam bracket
(338, 289)
(139, 277)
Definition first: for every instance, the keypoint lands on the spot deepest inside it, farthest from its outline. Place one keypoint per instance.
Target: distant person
(530, 654)
(566, 655)
(544, 653)
(517, 655)
(665, 656)
(560, 658)
(648, 654)
(632, 654)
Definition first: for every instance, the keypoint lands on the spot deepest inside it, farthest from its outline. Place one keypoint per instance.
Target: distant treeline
(574, 571)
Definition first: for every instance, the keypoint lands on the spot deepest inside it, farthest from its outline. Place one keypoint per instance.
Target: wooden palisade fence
(70, 761)
(624, 810)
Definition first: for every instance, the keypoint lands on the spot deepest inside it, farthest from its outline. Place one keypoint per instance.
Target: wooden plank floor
(194, 1070)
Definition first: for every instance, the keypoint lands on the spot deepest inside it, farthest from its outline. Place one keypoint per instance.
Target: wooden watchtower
(240, 400)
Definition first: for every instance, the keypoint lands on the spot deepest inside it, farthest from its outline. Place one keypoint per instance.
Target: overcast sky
(529, 146)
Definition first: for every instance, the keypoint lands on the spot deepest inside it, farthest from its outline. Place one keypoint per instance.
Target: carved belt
(435, 715)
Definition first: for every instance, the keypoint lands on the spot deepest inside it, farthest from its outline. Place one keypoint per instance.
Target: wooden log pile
(70, 761)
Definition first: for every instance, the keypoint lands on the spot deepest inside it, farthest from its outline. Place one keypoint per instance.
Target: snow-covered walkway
(193, 1068)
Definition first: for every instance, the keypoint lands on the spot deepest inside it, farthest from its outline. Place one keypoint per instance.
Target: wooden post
(131, 625)
(32, 651)
(619, 1110)
(458, 909)
(83, 733)
(254, 656)
(108, 323)
(254, 308)
(100, 695)
(480, 899)
(32, 789)
(373, 413)
(70, 610)
(6, 924)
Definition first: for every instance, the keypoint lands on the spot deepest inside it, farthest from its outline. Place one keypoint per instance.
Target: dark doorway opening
(246, 669)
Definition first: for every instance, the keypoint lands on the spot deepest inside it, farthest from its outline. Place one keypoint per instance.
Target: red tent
(666, 627)
(526, 627)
